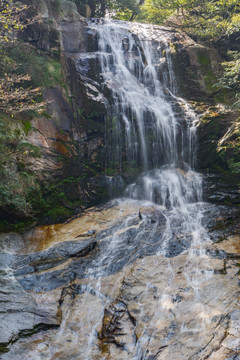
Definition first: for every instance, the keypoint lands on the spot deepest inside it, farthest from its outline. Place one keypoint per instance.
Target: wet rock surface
(134, 239)
(221, 189)
(131, 279)
(20, 315)
(108, 285)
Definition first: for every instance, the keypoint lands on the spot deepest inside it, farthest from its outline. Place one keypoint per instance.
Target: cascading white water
(150, 127)
(145, 119)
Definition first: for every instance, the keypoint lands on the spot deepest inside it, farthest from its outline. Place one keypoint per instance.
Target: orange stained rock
(43, 237)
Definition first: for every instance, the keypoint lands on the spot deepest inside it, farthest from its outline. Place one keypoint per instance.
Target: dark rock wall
(198, 69)
(69, 133)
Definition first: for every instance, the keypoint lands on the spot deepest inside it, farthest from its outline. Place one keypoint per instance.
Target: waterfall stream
(145, 117)
(133, 278)
(151, 127)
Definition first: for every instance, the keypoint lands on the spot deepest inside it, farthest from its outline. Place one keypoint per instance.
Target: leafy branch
(16, 93)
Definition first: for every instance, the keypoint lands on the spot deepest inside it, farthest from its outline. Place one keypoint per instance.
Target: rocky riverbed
(109, 284)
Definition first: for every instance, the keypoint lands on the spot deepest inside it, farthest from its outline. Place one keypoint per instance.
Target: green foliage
(229, 149)
(11, 199)
(43, 70)
(121, 9)
(27, 126)
(204, 18)
(234, 166)
(125, 9)
(152, 12)
(231, 77)
(10, 20)
(16, 91)
(16, 179)
(98, 8)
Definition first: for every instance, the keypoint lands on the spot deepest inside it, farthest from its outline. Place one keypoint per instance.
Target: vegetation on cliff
(39, 155)
(17, 92)
(25, 72)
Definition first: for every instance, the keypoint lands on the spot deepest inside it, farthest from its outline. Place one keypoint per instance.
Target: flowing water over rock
(151, 275)
(147, 125)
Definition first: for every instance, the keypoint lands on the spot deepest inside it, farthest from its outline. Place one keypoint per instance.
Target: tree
(211, 19)
(98, 8)
(126, 9)
(122, 9)
(16, 93)
(10, 21)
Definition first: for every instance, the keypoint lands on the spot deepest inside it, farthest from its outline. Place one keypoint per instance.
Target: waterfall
(151, 274)
(136, 278)
(148, 126)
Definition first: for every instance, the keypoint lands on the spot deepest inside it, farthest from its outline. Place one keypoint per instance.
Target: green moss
(27, 126)
(54, 73)
(211, 126)
(203, 59)
(209, 75)
(210, 80)
(56, 200)
(134, 171)
(234, 165)
(110, 171)
(43, 70)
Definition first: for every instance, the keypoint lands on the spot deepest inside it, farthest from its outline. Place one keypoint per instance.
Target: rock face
(69, 166)
(72, 137)
(73, 165)
(110, 285)
(66, 139)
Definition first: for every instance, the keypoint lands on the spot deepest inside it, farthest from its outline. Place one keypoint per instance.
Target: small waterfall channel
(139, 284)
